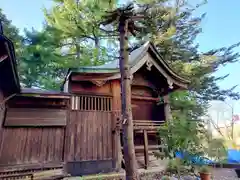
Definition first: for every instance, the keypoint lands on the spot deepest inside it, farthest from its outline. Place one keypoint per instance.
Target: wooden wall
(31, 145)
(87, 132)
(35, 117)
(32, 136)
(89, 136)
(41, 136)
(87, 87)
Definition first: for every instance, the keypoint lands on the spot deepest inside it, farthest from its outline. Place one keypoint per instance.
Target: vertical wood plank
(92, 100)
(102, 104)
(95, 136)
(67, 135)
(81, 136)
(104, 140)
(146, 157)
(58, 142)
(81, 103)
(84, 137)
(106, 144)
(72, 134)
(90, 134)
(75, 130)
(95, 104)
(78, 136)
(98, 127)
(100, 136)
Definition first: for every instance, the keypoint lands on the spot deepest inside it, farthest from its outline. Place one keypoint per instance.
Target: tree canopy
(73, 36)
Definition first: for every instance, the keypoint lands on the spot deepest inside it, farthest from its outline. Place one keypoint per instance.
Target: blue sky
(220, 28)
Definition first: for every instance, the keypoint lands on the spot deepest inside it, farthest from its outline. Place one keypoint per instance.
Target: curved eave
(166, 66)
(137, 59)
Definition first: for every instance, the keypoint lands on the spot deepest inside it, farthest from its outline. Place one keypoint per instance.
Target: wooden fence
(31, 145)
(85, 135)
(89, 136)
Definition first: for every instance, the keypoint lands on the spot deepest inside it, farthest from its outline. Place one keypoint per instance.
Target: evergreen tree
(41, 63)
(173, 29)
(11, 32)
(81, 34)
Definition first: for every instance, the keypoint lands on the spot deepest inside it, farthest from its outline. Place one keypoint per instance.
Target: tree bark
(127, 119)
(167, 108)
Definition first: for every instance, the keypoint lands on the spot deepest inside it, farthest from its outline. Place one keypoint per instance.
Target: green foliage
(165, 178)
(175, 133)
(11, 31)
(204, 169)
(76, 28)
(81, 34)
(174, 29)
(73, 36)
(177, 166)
(181, 135)
(41, 62)
(216, 150)
(173, 166)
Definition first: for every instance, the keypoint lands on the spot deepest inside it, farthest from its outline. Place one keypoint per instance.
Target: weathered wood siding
(89, 136)
(31, 145)
(89, 129)
(87, 87)
(33, 117)
(32, 135)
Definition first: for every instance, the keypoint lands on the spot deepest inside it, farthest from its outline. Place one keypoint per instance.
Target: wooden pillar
(146, 157)
(167, 108)
(116, 107)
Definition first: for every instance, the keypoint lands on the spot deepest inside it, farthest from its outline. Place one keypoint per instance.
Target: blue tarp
(233, 157)
(195, 159)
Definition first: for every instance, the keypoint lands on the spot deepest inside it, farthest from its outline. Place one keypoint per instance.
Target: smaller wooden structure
(98, 89)
(81, 126)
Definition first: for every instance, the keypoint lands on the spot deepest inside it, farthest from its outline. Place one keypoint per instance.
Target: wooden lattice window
(91, 103)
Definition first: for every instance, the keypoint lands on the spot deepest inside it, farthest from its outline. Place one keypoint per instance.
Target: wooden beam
(146, 157)
(18, 176)
(90, 77)
(144, 98)
(4, 57)
(140, 148)
(25, 167)
(21, 117)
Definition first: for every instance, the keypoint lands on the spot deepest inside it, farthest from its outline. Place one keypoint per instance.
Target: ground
(218, 174)
(224, 174)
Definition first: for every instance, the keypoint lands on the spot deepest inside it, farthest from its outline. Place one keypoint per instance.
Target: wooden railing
(146, 124)
(143, 124)
(146, 127)
(150, 147)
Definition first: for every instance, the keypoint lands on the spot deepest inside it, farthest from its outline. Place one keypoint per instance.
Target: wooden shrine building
(80, 127)
(98, 89)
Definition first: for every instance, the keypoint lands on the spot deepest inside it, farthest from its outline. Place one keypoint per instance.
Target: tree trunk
(128, 138)
(167, 108)
(96, 41)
